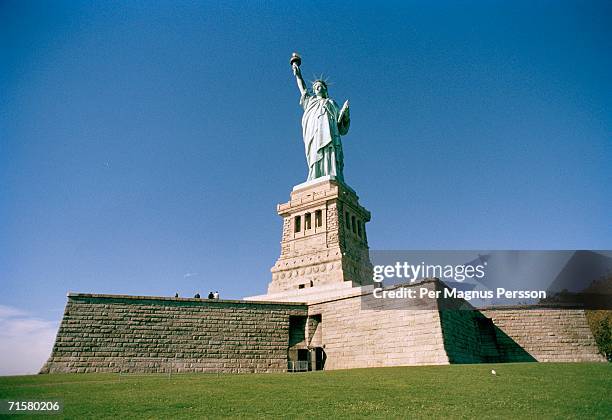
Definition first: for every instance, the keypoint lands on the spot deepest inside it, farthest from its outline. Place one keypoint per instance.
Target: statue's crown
(323, 82)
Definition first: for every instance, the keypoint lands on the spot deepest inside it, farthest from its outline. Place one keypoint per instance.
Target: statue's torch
(295, 59)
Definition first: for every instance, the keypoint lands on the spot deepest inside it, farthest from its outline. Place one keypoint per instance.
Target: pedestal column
(324, 239)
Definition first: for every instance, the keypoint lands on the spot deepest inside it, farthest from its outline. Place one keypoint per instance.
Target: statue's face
(320, 90)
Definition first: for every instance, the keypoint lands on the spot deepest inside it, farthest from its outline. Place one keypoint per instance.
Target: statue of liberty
(322, 125)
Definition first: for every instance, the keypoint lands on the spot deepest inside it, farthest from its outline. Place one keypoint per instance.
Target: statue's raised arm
(323, 123)
(299, 79)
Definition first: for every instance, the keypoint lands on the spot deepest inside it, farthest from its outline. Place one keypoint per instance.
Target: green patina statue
(322, 125)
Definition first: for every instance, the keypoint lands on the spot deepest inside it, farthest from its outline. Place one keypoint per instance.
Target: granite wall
(106, 333)
(361, 331)
(543, 334)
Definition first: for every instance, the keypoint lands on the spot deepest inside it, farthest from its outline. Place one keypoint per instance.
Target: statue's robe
(321, 129)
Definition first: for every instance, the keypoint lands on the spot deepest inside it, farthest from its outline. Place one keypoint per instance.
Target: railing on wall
(297, 365)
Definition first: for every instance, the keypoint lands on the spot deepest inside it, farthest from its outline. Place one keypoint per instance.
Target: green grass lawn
(519, 390)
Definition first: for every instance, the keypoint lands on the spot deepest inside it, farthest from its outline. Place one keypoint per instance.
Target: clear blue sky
(144, 145)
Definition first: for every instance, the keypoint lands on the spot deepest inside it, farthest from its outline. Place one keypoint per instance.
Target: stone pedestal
(324, 240)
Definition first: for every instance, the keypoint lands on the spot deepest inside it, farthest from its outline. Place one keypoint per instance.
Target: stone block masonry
(111, 333)
(140, 334)
(324, 239)
(386, 333)
(543, 334)
(360, 331)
